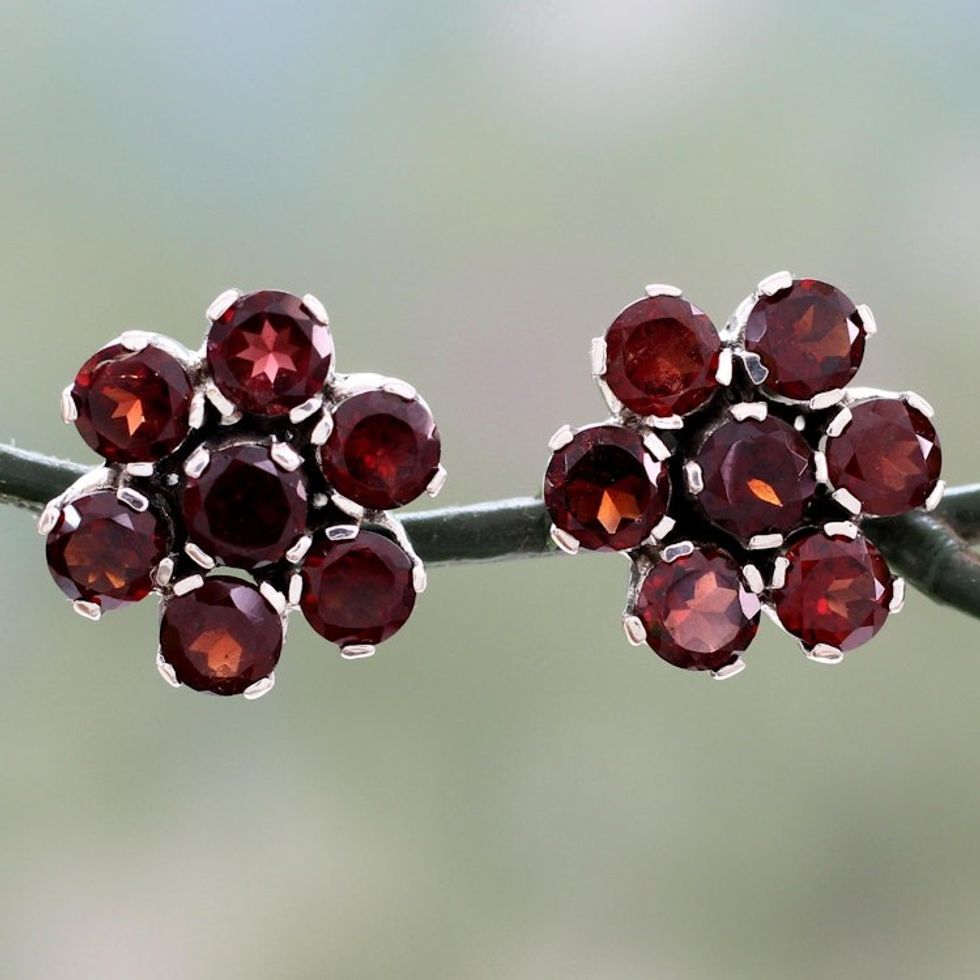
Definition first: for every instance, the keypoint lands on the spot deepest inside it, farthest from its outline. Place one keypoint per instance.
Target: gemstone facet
(661, 356)
(359, 591)
(221, 637)
(383, 449)
(133, 406)
(605, 489)
(268, 353)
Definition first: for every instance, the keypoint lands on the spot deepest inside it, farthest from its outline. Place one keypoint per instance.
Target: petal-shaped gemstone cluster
(241, 482)
(736, 469)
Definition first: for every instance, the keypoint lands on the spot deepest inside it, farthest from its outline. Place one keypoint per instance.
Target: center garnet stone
(661, 356)
(268, 353)
(758, 477)
(244, 510)
(605, 489)
(222, 637)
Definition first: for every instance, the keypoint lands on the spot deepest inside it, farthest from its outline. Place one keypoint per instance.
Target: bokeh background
(507, 790)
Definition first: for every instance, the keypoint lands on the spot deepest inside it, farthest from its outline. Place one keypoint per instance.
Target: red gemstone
(837, 590)
(383, 449)
(605, 489)
(222, 637)
(102, 551)
(268, 353)
(244, 510)
(887, 456)
(809, 338)
(758, 477)
(661, 356)
(133, 406)
(696, 610)
(359, 591)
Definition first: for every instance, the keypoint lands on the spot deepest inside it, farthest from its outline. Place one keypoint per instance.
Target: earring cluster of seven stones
(240, 482)
(736, 469)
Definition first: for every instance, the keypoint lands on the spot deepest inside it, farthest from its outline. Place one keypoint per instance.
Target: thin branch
(932, 551)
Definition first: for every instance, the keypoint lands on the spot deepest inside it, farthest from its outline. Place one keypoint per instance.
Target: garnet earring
(736, 469)
(241, 482)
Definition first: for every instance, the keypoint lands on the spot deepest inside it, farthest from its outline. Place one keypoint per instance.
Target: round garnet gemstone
(837, 590)
(696, 611)
(661, 356)
(359, 591)
(383, 450)
(244, 510)
(268, 353)
(222, 637)
(104, 552)
(808, 337)
(133, 406)
(605, 489)
(888, 456)
(758, 477)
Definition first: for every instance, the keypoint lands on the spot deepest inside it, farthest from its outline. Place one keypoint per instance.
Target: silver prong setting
(847, 500)
(565, 541)
(166, 670)
(750, 410)
(199, 556)
(841, 529)
(935, 496)
(274, 597)
(636, 633)
(728, 671)
(775, 283)
(724, 371)
(260, 688)
(897, 602)
(69, 408)
(285, 457)
(133, 499)
(597, 356)
(87, 610)
(316, 308)
(220, 305)
(302, 412)
(662, 289)
(764, 542)
(679, 549)
(437, 482)
(823, 653)
(561, 438)
(49, 518)
(357, 651)
(197, 462)
(693, 477)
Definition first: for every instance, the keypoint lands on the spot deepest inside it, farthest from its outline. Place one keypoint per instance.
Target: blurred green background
(507, 790)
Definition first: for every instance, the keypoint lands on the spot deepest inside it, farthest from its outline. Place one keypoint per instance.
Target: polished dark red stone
(605, 489)
(244, 510)
(837, 590)
(383, 449)
(104, 552)
(133, 406)
(222, 637)
(758, 477)
(888, 456)
(661, 356)
(808, 338)
(696, 610)
(358, 591)
(268, 353)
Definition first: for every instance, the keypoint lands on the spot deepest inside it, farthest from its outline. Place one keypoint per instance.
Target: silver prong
(69, 410)
(754, 368)
(420, 580)
(48, 519)
(260, 688)
(139, 469)
(221, 303)
(197, 462)
(763, 542)
(823, 653)
(295, 589)
(87, 610)
(135, 340)
(662, 289)
(841, 529)
(348, 507)
(753, 578)
(357, 651)
(750, 410)
(799, 423)
(164, 572)
(227, 408)
(867, 319)
(597, 356)
(188, 584)
(935, 496)
(316, 308)
(561, 438)
(661, 529)
(656, 447)
(196, 417)
(299, 549)
(399, 388)
(285, 457)
(918, 403)
(898, 595)
(564, 540)
(679, 549)
(779, 567)
(133, 499)
(342, 532)
(693, 477)
(437, 482)
(167, 671)
(635, 632)
(199, 556)
(723, 373)
(775, 283)
(666, 421)
(273, 596)
(825, 399)
(323, 428)
(839, 423)
(302, 412)
(820, 467)
(847, 500)
(728, 671)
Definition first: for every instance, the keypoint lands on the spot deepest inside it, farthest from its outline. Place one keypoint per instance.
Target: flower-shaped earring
(243, 481)
(736, 469)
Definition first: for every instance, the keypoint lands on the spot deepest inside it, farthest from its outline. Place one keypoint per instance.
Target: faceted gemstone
(133, 406)
(697, 612)
(758, 477)
(221, 637)
(383, 449)
(661, 356)
(808, 338)
(888, 456)
(244, 510)
(605, 489)
(837, 590)
(104, 552)
(268, 353)
(357, 591)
